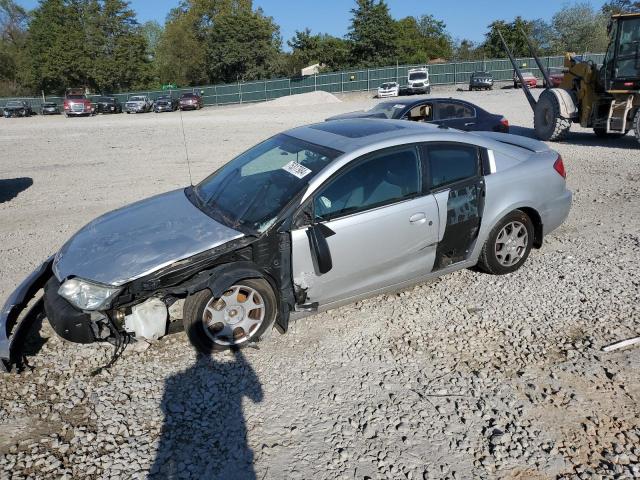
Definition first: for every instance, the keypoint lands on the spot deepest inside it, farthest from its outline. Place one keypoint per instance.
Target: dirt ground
(472, 376)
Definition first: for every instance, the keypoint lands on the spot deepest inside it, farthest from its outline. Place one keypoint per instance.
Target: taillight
(505, 123)
(558, 166)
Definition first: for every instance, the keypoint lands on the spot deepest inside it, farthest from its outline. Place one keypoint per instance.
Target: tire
(202, 338)
(636, 125)
(602, 133)
(515, 84)
(470, 88)
(548, 124)
(497, 256)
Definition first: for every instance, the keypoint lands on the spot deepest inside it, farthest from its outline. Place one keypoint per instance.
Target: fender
(223, 276)
(566, 100)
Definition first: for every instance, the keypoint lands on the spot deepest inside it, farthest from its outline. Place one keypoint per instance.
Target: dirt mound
(303, 99)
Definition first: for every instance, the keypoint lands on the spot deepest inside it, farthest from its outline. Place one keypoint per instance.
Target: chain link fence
(336, 82)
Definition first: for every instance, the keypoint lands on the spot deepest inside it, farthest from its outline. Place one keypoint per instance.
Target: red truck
(77, 103)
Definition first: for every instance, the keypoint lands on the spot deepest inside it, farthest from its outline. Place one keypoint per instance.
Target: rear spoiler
(527, 143)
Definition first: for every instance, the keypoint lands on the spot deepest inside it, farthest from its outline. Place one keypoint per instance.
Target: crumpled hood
(139, 239)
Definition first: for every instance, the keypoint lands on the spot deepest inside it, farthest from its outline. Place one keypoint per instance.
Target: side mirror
(318, 234)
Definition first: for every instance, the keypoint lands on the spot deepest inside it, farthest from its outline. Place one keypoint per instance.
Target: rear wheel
(245, 312)
(508, 245)
(547, 121)
(636, 125)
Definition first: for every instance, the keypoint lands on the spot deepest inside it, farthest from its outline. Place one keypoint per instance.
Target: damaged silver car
(308, 220)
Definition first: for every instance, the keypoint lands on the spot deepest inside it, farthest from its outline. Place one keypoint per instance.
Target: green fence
(339, 82)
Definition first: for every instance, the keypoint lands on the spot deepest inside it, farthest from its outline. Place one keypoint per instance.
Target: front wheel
(245, 312)
(548, 123)
(508, 245)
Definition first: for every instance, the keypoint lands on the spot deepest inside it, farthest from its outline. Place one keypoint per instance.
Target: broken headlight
(87, 295)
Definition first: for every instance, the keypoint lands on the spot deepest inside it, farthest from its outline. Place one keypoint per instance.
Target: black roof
(411, 101)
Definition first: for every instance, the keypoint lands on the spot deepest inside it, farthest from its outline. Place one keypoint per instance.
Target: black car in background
(17, 108)
(481, 80)
(50, 108)
(108, 105)
(448, 112)
(165, 103)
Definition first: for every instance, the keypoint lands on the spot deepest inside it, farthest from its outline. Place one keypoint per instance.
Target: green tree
(467, 50)
(620, 6)
(513, 35)
(243, 46)
(438, 41)
(420, 39)
(579, 28)
(13, 35)
(308, 49)
(373, 34)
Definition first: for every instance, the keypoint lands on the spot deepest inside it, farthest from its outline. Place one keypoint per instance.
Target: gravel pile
(471, 376)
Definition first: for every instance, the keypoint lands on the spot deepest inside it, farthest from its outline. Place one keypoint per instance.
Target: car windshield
(417, 76)
(75, 97)
(106, 99)
(249, 192)
(481, 74)
(387, 85)
(389, 109)
(14, 104)
(527, 74)
(189, 95)
(136, 99)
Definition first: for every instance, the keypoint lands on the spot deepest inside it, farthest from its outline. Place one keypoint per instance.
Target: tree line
(99, 44)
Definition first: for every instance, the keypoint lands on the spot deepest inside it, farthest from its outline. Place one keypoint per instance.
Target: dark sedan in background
(50, 108)
(481, 81)
(448, 112)
(108, 105)
(165, 103)
(190, 101)
(17, 108)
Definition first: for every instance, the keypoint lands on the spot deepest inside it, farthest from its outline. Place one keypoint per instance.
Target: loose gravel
(470, 376)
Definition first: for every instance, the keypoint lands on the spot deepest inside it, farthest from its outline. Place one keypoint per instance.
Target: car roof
(410, 102)
(353, 134)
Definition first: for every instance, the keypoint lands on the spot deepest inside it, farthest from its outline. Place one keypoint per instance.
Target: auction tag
(294, 168)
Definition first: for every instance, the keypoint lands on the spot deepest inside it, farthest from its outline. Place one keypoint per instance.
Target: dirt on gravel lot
(472, 376)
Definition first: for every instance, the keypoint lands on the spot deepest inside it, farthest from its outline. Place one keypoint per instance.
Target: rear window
(451, 163)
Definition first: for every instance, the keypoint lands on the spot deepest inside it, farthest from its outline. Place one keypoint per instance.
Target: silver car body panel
(139, 239)
(522, 177)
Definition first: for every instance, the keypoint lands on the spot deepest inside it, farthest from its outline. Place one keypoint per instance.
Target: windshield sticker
(398, 106)
(297, 170)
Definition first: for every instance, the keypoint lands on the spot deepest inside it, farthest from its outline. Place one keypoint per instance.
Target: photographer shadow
(204, 433)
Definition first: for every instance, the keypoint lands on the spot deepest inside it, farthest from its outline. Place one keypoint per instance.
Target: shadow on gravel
(10, 188)
(204, 434)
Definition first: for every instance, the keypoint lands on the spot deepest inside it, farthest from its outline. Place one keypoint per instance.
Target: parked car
(278, 233)
(76, 103)
(190, 101)
(481, 80)
(556, 76)
(17, 108)
(106, 104)
(165, 103)
(418, 81)
(447, 112)
(138, 104)
(529, 78)
(388, 89)
(50, 108)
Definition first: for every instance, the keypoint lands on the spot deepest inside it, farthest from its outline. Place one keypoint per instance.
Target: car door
(380, 228)
(454, 176)
(456, 115)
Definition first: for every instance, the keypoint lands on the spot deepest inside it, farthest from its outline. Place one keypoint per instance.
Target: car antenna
(186, 150)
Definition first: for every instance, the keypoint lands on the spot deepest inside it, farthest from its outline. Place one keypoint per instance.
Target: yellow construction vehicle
(606, 99)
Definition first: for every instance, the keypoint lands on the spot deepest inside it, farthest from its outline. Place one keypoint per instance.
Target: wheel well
(537, 225)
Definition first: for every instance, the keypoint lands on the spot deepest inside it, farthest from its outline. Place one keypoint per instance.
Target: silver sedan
(310, 219)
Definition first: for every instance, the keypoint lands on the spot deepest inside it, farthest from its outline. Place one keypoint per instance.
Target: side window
(452, 110)
(450, 163)
(385, 178)
(420, 113)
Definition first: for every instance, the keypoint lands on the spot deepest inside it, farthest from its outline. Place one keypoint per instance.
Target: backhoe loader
(606, 99)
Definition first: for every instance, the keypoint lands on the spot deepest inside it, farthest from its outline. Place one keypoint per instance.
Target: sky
(464, 18)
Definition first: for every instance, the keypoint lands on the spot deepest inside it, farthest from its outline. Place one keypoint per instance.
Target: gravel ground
(472, 376)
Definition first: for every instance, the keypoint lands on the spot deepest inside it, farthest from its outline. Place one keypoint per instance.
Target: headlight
(86, 295)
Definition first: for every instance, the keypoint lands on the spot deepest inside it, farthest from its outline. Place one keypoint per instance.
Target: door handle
(468, 124)
(418, 218)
